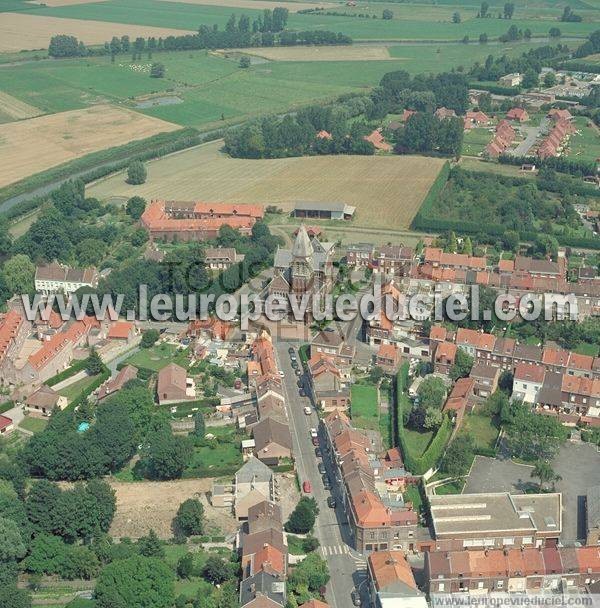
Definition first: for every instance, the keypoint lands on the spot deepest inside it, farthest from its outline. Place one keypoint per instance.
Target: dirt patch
(17, 109)
(323, 53)
(33, 145)
(145, 505)
(28, 32)
(293, 7)
(288, 494)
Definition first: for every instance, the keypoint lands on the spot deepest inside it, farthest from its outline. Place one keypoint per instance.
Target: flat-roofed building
(495, 520)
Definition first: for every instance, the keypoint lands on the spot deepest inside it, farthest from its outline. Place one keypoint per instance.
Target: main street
(347, 568)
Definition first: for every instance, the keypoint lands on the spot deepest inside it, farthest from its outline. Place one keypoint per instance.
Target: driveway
(577, 463)
(531, 135)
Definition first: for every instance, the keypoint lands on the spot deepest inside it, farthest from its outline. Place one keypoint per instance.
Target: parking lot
(577, 463)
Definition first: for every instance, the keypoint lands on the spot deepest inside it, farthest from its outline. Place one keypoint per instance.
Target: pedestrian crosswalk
(335, 550)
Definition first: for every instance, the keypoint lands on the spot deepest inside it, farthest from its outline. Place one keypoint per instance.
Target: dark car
(300, 383)
(291, 350)
(355, 595)
(322, 468)
(302, 393)
(295, 364)
(331, 502)
(298, 372)
(326, 483)
(318, 452)
(315, 441)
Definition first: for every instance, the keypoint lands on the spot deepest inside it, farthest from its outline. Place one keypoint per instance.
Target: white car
(313, 433)
(307, 411)
(281, 373)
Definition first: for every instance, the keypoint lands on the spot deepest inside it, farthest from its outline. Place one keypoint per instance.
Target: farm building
(323, 211)
(190, 221)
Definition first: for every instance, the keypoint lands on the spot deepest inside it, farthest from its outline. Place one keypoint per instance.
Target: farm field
(12, 108)
(213, 87)
(321, 53)
(20, 31)
(386, 190)
(293, 7)
(182, 15)
(62, 137)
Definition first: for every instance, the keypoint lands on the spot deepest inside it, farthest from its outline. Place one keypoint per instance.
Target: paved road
(531, 135)
(347, 568)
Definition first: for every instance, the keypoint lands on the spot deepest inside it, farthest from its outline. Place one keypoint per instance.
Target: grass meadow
(430, 24)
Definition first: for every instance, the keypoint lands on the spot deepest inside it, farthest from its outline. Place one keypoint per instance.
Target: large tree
(189, 520)
(19, 273)
(302, 518)
(136, 582)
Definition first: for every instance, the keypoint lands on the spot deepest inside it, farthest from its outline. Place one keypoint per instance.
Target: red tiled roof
(9, 328)
(120, 330)
(438, 332)
(530, 372)
(388, 567)
(5, 421)
(378, 141)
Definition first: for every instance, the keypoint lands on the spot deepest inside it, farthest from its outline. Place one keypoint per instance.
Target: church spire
(302, 246)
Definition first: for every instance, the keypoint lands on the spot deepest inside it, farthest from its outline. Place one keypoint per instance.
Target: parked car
(281, 373)
(322, 468)
(298, 372)
(315, 441)
(293, 357)
(326, 483)
(302, 393)
(307, 410)
(306, 487)
(331, 502)
(355, 595)
(300, 383)
(318, 453)
(295, 364)
(291, 350)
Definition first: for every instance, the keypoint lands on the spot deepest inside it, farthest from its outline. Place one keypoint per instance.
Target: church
(306, 268)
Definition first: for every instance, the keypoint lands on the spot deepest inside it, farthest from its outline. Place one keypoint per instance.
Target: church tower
(302, 270)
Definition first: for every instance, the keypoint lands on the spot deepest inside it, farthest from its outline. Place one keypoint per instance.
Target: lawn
(34, 425)
(475, 141)
(158, 356)
(417, 441)
(584, 348)
(365, 406)
(584, 145)
(73, 391)
(222, 453)
(483, 429)
(413, 495)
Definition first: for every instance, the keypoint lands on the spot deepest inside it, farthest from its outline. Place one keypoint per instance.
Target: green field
(213, 88)
(475, 141)
(584, 145)
(417, 441)
(365, 406)
(431, 26)
(74, 390)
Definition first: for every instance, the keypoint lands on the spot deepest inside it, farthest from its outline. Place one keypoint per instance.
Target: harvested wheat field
(15, 108)
(322, 53)
(145, 505)
(293, 7)
(387, 191)
(27, 32)
(33, 145)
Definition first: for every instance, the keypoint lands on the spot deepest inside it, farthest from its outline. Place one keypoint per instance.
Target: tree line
(239, 32)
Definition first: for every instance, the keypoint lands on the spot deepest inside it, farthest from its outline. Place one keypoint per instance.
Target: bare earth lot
(145, 505)
(322, 53)
(387, 191)
(28, 32)
(293, 7)
(15, 109)
(33, 145)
